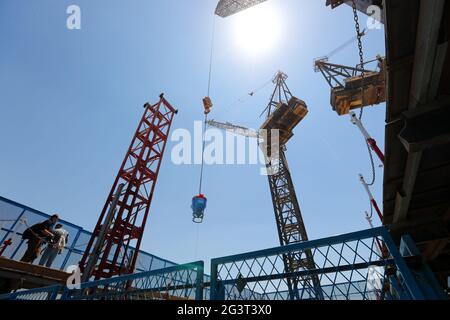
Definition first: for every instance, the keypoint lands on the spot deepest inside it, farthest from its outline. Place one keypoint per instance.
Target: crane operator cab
(198, 208)
(285, 118)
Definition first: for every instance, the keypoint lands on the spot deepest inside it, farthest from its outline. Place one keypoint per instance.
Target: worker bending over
(36, 235)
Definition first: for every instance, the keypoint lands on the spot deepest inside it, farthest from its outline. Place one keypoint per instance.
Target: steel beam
(426, 127)
(431, 13)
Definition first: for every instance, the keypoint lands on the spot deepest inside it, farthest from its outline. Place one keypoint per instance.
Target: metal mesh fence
(15, 218)
(181, 282)
(358, 266)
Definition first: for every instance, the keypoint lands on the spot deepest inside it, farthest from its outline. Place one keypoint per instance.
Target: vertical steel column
(402, 267)
(214, 281)
(70, 250)
(199, 280)
(138, 173)
(424, 276)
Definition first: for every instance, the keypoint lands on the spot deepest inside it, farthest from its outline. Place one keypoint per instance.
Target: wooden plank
(7, 265)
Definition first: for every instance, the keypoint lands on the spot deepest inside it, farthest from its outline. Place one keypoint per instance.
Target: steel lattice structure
(291, 228)
(123, 218)
(281, 92)
(226, 8)
(336, 73)
(290, 225)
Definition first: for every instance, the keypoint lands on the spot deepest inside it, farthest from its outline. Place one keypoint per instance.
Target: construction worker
(55, 247)
(36, 235)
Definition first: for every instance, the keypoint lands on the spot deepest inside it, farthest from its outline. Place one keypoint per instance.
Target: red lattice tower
(115, 242)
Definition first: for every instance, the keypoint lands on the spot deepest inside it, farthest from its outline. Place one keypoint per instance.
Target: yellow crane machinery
(285, 118)
(354, 87)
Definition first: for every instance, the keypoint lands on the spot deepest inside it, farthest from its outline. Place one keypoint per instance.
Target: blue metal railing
(47, 293)
(350, 266)
(364, 265)
(178, 282)
(181, 282)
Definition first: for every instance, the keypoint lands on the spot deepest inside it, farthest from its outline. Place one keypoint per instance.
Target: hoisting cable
(346, 44)
(197, 241)
(211, 55)
(361, 54)
(263, 86)
(249, 95)
(207, 110)
(199, 201)
(203, 155)
(359, 36)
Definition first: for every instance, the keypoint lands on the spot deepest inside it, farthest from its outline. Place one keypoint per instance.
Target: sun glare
(257, 30)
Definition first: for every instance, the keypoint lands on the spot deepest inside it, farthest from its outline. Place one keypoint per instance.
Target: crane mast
(114, 245)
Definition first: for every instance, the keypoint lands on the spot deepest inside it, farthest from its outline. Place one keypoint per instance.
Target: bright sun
(257, 30)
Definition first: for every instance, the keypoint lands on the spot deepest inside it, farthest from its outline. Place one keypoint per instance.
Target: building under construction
(407, 258)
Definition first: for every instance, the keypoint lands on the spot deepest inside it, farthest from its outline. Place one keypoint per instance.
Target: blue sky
(70, 102)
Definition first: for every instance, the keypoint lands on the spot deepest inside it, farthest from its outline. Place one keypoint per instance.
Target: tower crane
(284, 113)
